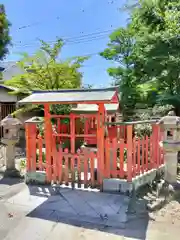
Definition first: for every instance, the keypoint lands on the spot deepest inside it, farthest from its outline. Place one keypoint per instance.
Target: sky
(85, 24)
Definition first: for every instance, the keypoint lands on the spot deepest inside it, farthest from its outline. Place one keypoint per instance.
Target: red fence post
(33, 133)
(54, 155)
(40, 147)
(48, 138)
(31, 146)
(129, 151)
(28, 147)
(107, 158)
(155, 145)
(100, 141)
(72, 132)
(121, 147)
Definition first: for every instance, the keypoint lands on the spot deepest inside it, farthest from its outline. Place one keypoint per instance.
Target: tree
(44, 71)
(150, 58)
(157, 35)
(122, 50)
(4, 32)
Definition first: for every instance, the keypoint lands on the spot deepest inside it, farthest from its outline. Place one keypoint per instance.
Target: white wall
(6, 97)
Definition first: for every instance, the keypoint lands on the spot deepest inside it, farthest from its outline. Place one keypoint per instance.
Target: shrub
(143, 129)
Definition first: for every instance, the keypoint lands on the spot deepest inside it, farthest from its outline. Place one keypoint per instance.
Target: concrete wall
(6, 97)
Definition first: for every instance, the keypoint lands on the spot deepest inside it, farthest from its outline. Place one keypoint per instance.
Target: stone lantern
(11, 127)
(170, 125)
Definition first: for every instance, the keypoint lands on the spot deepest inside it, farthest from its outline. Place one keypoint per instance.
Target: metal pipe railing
(132, 123)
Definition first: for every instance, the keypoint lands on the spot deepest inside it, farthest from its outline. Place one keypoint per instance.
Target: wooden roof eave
(78, 102)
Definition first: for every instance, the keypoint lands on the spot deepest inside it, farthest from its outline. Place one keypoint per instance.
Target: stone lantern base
(11, 170)
(171, 167)
(12, 173)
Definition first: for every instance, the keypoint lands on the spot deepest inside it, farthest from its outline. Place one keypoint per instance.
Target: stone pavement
(42, 213)
(64, 203)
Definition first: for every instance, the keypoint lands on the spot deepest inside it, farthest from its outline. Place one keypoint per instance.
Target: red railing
(126, 156)
(65, 167)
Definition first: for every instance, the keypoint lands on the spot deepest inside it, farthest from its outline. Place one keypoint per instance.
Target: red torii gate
(74, 96)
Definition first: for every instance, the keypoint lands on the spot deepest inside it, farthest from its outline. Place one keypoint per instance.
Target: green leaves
(5, 39)
(44, 71)
(147, 55)
(54, 52)
(161, 53)
(121, 49)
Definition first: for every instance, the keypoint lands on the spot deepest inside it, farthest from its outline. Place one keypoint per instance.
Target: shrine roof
(70, 96)
(89, 108)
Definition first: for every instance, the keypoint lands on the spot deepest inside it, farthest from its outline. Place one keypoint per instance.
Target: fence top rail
(133, 122)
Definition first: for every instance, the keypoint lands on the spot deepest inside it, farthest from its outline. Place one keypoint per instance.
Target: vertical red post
(143, 155)
(86, 130)
(59, 129)
(138, 156)
(33, 133)
(59, 125)
(150, 165)
(129, 151)
(28, 147)
(48, 138)
(86, 126)
(114, 155)
(158, 145)
(121, 156)
(40, 146)
(134, 158)
(155, 145)
(72, 132)
(100, 140)
(107, 158)
(54, 155)
(31, 146)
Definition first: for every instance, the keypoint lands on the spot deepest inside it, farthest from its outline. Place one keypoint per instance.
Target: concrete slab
(29, 229)
(9, 187)
(82, 206)
(6, 222)
(44, 213)
(55, 216)
(63, 231)
(24, 198)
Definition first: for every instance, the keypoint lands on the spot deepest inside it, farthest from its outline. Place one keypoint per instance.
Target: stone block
(123, 186)
(117, 185)
(38, 177)
(170, 167)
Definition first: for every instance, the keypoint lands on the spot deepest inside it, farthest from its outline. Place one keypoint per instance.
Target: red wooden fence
(129, 157)
(125, 156)
(65, 167)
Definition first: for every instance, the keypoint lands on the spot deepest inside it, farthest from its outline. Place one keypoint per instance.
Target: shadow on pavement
(177, 192)
(56, 204)
(10, 181)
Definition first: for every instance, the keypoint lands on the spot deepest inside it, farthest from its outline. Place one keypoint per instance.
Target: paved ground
(43, 214)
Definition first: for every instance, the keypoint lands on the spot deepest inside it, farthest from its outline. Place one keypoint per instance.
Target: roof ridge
(76, 90)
